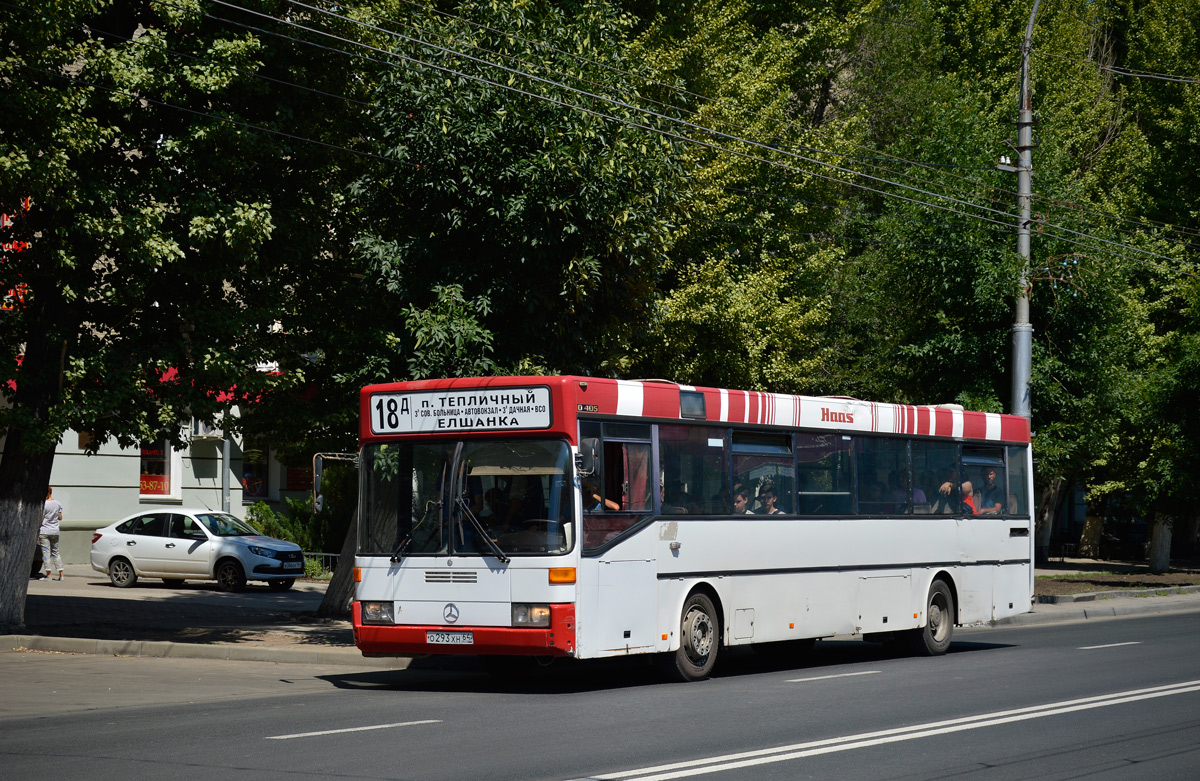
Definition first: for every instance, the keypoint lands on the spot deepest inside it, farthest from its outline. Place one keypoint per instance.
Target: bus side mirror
(585, 461)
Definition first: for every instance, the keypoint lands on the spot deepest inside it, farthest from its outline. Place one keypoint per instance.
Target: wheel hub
(699, 633)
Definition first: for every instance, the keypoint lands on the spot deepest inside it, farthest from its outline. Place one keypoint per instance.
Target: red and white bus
(585, 518)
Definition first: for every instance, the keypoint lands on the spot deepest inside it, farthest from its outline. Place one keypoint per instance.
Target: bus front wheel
(933, 639)
(699, 639)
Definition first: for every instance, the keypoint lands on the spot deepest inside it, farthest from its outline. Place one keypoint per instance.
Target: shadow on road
(465, 674)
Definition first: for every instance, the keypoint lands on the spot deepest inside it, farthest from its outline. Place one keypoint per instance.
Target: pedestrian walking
(48, 534)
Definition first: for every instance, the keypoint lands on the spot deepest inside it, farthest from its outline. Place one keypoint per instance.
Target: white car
(179, 545)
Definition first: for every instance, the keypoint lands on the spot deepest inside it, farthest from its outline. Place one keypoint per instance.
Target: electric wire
(300, 138)
(873, 161)
(142, 41)
(630, 107)
(217, 117)
(1044, 224)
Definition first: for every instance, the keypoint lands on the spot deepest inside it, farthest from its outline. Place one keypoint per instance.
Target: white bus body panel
(798, 578)
(482, 594)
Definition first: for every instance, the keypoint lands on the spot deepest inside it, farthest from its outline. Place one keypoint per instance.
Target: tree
(179, 179)
(546, 209)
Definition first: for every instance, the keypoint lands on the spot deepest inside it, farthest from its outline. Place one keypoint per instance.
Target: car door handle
(131, 542)
(170, 545)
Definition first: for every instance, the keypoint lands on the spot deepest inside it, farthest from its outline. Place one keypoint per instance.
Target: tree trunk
(1046, 510)
(23, 481)
(1160, 544)
(340, 593)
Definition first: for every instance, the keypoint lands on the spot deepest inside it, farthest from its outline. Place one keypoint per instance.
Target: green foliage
(511, 229)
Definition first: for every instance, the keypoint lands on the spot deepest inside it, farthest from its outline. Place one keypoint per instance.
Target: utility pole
(1022, 330)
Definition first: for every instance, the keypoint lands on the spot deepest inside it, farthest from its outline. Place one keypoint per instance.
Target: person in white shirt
(48, 534)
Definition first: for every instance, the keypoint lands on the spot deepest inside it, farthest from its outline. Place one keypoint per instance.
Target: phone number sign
(507, 409)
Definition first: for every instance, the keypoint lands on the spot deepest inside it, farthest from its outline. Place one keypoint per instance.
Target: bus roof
(573, 396)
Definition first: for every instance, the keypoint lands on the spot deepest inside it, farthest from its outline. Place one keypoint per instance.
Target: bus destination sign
(500, 409)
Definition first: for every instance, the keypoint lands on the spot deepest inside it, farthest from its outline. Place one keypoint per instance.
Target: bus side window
(824, 474)
(627, 476)
(693, 470)
(1018, 480)
(763, 466)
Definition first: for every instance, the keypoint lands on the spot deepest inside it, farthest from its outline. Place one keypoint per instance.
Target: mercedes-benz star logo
(450, 613)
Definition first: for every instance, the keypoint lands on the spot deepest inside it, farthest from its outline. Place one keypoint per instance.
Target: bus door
(617, 501)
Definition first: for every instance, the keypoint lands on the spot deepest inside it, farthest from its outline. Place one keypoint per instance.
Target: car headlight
(266, 553)
(377, 613)
(530, 615)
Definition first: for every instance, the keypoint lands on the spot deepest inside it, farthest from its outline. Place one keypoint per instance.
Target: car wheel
(121, 573)
(281, 584)
(231, 576)
(173, 582)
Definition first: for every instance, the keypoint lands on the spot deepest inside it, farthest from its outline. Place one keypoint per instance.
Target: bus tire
(699, 641)
(933, 639)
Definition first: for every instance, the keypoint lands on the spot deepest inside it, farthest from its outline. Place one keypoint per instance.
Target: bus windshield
(436, 497)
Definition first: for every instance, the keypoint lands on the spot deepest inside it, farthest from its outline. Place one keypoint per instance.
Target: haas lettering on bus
(836, 417)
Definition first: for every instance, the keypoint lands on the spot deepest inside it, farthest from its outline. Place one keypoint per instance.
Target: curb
(1094, 596)
(1101, 611)
(162, 649)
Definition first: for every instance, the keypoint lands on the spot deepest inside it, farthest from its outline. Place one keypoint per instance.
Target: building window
(255, 472)
(156, 468)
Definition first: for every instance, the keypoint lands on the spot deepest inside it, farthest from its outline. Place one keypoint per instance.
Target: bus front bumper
(412, 640)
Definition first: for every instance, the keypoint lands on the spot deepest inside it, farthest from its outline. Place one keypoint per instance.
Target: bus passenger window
(1018, 480)
(693, 470)
(764, 467)
(824, 474)
(883, 484)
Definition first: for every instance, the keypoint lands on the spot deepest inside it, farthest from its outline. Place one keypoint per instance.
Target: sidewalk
(85, 614)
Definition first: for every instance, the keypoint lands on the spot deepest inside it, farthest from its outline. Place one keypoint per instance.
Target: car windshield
(517, 492)
(222, 525)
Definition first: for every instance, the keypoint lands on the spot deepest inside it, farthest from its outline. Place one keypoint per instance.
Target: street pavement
(84, 613)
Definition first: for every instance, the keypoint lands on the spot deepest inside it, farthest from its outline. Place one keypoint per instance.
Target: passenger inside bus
(741, 502)
(990, 497)
(766, 500)
(593, 502)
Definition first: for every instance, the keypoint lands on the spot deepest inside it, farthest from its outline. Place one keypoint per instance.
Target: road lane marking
(352, 729)
(868, 739)
(827, 677)
(1110, 645)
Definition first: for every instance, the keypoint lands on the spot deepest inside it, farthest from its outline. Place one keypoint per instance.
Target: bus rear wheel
(933, 639)
(699, 640)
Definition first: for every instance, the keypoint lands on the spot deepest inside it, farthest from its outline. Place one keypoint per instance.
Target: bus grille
(450, 576)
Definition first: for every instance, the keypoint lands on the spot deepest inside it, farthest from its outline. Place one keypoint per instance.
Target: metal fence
(320, 564)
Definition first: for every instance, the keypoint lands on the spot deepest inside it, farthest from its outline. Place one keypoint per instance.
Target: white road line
(849, 742)
(827, 677)
(1110, 645)
(352, 729)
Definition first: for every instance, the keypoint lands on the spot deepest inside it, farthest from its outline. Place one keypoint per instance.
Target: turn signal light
(562, 574)
(358, 574)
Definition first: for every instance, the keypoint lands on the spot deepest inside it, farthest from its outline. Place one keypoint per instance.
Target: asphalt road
(1115, 699)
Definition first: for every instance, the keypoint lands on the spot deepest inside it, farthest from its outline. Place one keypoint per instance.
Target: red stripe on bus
(659, 400)
(1014, 428)
(602, 395)
(974, 425)
(943, 423)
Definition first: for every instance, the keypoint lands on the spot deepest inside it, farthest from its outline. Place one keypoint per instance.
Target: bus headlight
(377, 613)
(530, 615)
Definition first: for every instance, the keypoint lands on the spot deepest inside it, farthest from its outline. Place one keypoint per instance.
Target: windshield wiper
(406, 542)
(482, 533)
